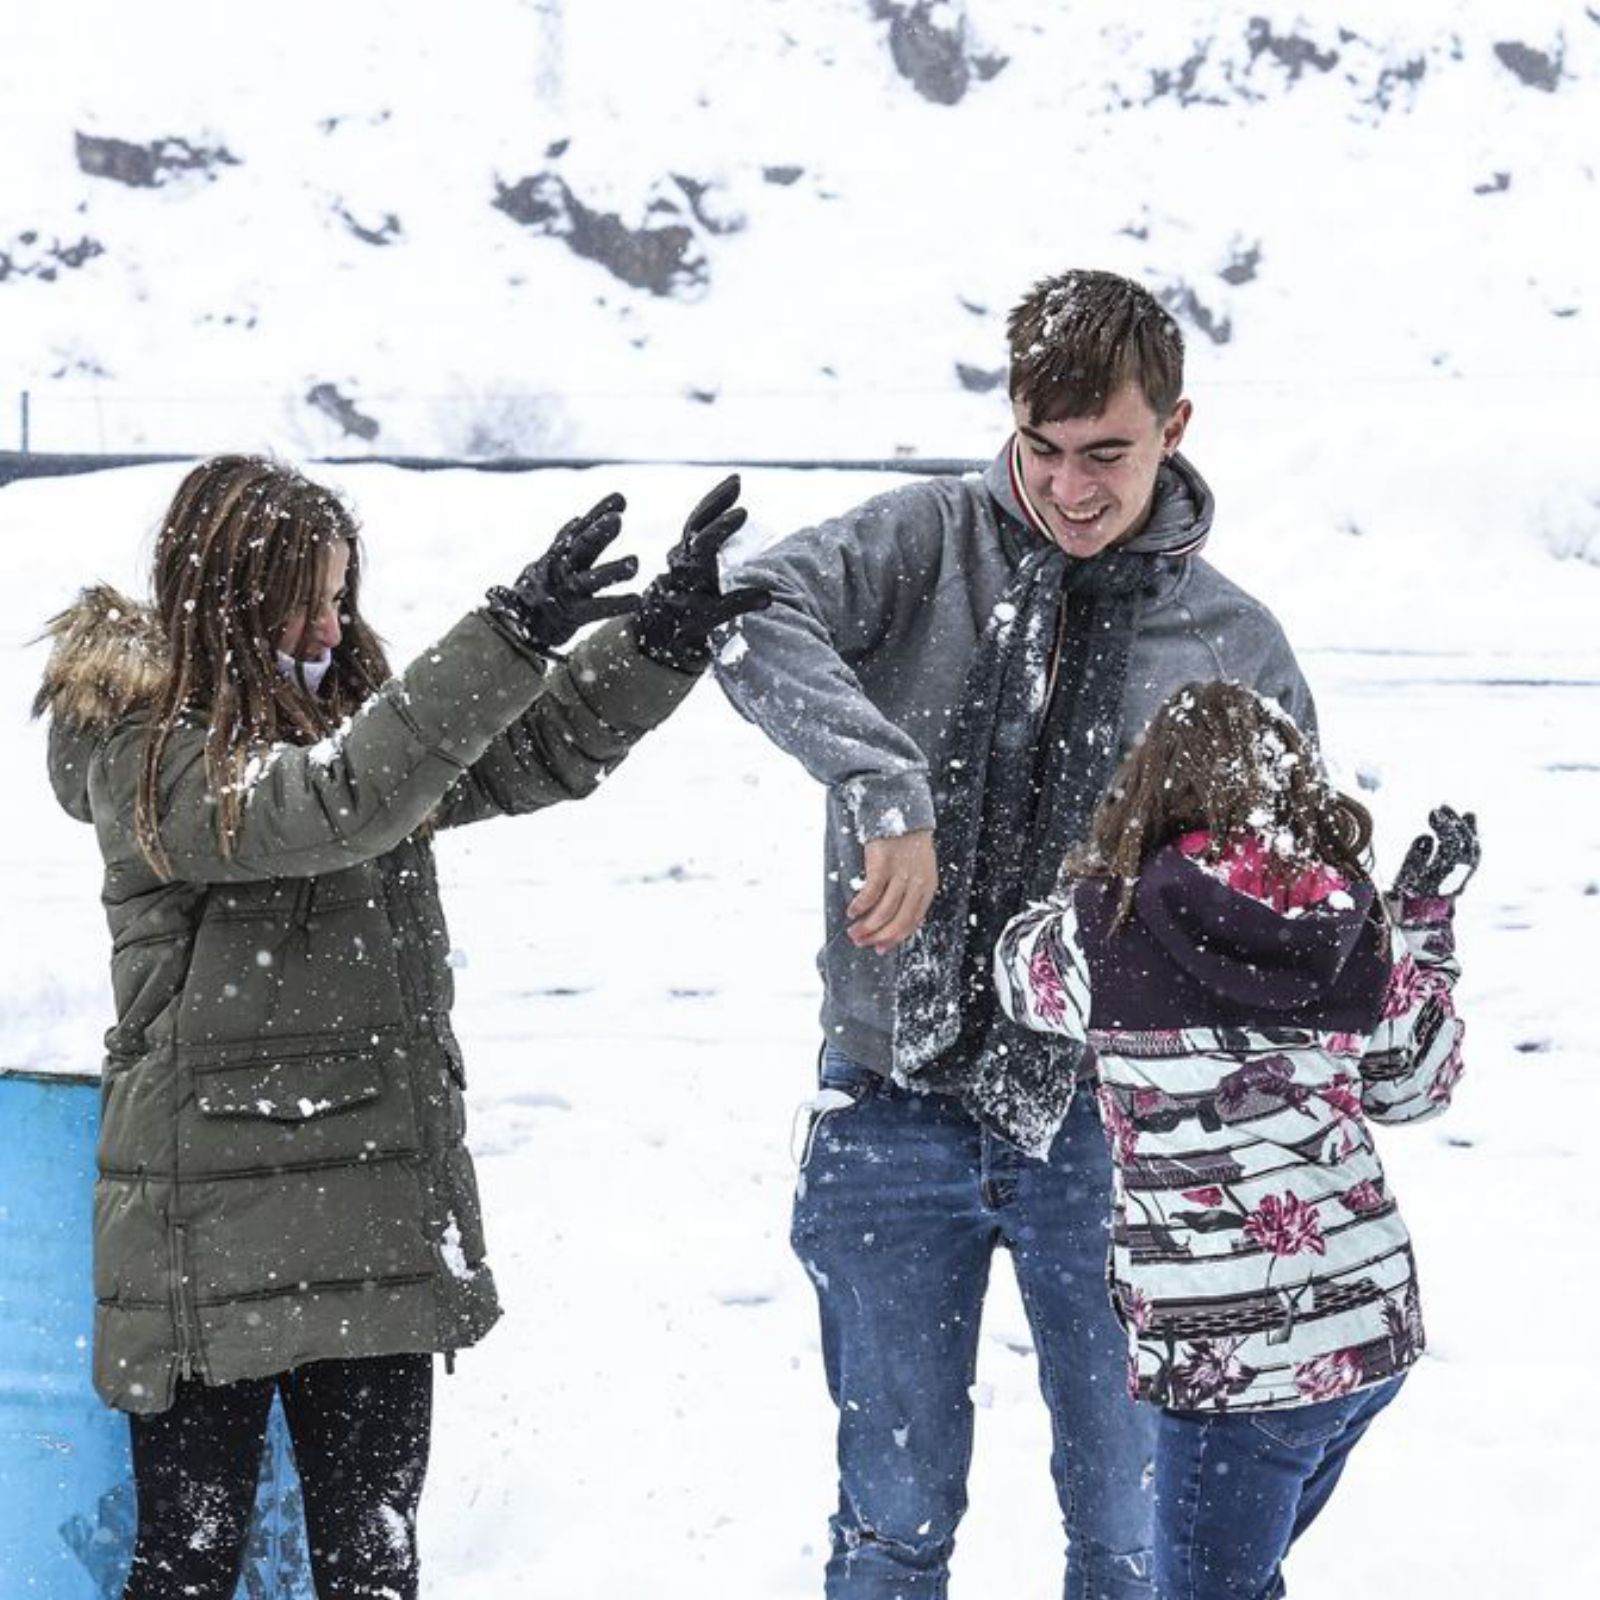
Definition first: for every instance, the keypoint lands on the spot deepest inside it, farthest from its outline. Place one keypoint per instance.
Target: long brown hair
(242, 551)
(1222, 758)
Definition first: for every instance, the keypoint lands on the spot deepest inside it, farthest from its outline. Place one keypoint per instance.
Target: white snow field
(637, 1004)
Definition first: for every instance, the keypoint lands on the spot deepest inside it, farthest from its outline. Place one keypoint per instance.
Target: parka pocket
(274, 1109)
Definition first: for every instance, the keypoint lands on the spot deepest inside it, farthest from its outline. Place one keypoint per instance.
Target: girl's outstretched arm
(1413, 1057)
(592, 708)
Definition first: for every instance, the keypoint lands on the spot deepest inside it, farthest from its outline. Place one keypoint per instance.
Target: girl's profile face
(309, 635)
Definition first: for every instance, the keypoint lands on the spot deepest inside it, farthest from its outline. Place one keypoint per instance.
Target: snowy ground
(637, 1006)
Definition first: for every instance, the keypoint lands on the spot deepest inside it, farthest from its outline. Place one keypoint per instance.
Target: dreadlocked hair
(1221, 758)
(241, 552)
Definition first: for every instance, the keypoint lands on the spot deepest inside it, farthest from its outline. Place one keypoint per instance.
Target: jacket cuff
(620, 683)
(508, 630)
(887, 805)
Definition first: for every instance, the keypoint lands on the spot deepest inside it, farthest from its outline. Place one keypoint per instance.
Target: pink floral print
(1045, 989)
(1286, 1226)
(1326, 1377)
(1362, 1199)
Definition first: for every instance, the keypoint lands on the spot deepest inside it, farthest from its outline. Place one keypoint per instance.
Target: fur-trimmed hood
(108, 659)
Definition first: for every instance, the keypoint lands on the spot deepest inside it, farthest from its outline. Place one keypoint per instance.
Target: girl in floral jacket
(1252, 1004)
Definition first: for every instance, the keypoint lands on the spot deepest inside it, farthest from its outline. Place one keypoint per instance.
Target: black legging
(360, 1432)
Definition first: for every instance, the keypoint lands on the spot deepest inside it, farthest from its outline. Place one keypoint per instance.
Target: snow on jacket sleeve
(1413, 1056)
(1040, 971)
(838, 591)
(356, 795)
(592, 708)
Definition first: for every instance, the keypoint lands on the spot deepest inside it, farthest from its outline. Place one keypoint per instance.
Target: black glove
(684, 606)
(557, 594)
(1449, 853)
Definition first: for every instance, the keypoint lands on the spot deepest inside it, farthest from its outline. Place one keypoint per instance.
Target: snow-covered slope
(782, 228)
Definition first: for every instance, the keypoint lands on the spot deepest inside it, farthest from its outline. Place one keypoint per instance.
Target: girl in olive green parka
(285, 1201)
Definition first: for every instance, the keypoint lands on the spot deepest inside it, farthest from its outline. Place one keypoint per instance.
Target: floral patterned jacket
(1245, 1039)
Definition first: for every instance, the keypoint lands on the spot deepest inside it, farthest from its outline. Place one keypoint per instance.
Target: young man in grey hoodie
(962, 662)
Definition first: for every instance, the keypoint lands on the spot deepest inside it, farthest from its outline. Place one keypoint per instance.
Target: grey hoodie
(858, 666)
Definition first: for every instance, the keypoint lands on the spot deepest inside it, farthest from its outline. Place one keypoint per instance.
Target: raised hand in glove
(1439, 863)
(560, 592)
(682, 607)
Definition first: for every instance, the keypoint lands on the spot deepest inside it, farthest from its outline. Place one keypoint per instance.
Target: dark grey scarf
(1026, 768)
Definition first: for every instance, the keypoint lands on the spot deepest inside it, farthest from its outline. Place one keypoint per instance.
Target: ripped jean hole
(920, 1555)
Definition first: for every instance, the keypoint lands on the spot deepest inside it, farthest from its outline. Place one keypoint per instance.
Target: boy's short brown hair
(1079, 337)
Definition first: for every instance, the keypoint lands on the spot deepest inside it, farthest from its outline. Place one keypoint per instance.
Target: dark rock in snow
(1408, 74)
(1498, 184)
(932, 58)
(666, 259)
(23, 260)
(1188, 307)
(74, 255)
(783, 176)
(1532, 67)
(1292, 51)
(702, 198)
(325, 397)
(148, 166)
(934, 54)
(1242, 268)
(1179, 82)
(980, 380)
(387, 231)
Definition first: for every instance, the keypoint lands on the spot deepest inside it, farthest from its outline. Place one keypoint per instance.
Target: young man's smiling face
(1092, 479)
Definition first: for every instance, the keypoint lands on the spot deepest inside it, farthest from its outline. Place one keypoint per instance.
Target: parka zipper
(182, 1313)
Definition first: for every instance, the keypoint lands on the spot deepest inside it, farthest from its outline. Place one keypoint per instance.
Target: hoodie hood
(108, 659)
(1240, 948)
(1180, 512)
(1197, 953)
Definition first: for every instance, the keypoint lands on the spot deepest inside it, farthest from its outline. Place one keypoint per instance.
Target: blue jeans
(1235, 1489)
(901, 1201)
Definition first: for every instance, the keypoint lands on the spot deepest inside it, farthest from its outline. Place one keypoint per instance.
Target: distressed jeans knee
(870, 1564)
(1099, 1573)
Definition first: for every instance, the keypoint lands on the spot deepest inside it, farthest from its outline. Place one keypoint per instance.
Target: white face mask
(315, 669)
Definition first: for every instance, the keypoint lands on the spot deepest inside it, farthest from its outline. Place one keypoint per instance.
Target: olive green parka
(282, 1172)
